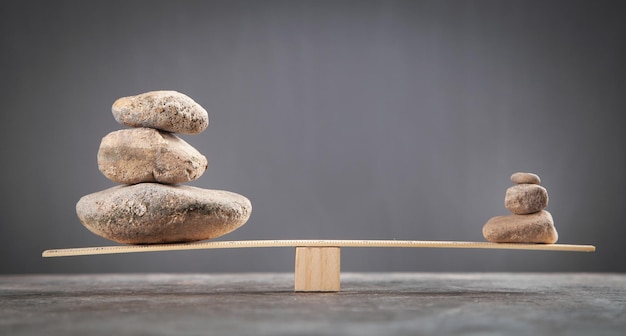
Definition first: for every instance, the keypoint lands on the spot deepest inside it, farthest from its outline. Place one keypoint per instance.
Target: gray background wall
(338, 119)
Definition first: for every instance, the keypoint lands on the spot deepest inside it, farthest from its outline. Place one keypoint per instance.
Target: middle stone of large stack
(149, 155)
(145, 212)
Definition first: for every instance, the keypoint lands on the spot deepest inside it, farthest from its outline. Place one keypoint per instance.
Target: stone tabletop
(265, 304)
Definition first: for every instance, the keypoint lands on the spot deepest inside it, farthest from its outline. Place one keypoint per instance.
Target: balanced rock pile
(529, 223)
(149, 160)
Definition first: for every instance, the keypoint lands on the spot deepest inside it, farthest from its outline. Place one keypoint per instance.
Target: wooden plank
(317, 269)
(311, 243)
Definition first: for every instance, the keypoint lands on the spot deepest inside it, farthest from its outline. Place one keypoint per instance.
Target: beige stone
(533, 228)
(521, 178)
(524, 199)
(150, 213)
(138, 155)
(165, 110)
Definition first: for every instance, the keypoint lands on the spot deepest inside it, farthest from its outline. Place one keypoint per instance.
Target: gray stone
(524, 199)
(151, 213)
(533, 228)
(521, 178)
(148, 155)
(165, 110)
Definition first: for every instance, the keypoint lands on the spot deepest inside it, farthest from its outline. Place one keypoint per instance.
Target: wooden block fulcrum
(317, 269)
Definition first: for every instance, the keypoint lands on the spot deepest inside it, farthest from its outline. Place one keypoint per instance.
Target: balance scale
(318, 262)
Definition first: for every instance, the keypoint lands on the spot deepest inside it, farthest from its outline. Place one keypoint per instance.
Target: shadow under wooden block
(318, 269)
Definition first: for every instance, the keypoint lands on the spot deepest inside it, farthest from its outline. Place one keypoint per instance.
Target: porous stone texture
(152, 213)
(521, 178)
(165, 110)
(148, 155)
(533, 228)
(524, 199)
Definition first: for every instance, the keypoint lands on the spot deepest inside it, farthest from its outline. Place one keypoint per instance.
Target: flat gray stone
(151, 213)
(138, 155)
(523, 199)
(165, 110)
(521, 178)
(533, 228)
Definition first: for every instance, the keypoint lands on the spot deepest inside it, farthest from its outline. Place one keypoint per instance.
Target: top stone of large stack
(169, 111)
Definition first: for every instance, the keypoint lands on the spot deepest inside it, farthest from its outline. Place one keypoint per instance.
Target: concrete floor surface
(265, 304)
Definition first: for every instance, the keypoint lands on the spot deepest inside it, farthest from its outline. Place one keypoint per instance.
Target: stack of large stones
(151, 161)
(529, 222)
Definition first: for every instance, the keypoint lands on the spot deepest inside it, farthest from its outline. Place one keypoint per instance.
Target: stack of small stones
(529, 223)
(150, 161)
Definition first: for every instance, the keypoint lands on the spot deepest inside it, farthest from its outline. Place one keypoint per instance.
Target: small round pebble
(522, 199)
(525, 178)
(533, 228)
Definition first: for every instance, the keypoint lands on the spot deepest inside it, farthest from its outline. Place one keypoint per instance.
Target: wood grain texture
(311, 243)
(317, 269)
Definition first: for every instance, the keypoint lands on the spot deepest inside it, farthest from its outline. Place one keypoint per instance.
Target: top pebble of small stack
(169, 111)
(525, 178)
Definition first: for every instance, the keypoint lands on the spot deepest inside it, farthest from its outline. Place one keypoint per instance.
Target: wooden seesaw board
(317, 266)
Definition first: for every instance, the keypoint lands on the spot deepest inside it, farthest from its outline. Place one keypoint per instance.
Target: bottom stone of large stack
(152, 213)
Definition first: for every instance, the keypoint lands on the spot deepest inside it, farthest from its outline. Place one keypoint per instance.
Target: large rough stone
(165, 110)
(520, 178)
(151, 213)
(524, 199)
(148, 155)
(533, 228)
